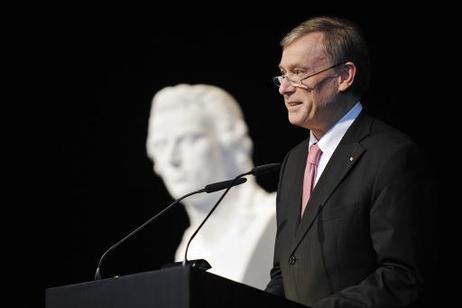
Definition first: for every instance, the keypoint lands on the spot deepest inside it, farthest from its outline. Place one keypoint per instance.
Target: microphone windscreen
(223, 185)
(267, 168)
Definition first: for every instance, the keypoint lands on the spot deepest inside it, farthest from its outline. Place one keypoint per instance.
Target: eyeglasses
(298, 83)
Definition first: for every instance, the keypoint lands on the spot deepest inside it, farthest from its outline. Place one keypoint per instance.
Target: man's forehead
(310, 44)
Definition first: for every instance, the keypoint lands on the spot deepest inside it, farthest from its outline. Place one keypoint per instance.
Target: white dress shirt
(331, 139)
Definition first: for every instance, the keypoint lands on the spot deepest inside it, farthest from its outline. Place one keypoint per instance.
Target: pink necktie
(310, 173)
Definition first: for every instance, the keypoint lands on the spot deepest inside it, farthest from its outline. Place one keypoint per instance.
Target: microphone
(208, 189)
(222, 185)
(256, 171)
(263, 169)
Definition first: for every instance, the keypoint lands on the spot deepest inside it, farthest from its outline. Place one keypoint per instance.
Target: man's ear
(347, 74)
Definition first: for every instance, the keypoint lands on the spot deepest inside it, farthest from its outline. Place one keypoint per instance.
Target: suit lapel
(344, 158)
(294, 211)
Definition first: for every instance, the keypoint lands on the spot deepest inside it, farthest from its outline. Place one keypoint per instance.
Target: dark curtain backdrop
(85, 179)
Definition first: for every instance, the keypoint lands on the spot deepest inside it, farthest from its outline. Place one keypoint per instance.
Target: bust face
(187, 154)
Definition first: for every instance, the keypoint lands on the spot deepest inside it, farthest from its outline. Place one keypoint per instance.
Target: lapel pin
(351, 158)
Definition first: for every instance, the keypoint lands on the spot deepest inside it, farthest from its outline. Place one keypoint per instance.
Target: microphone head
(267, 168)
(223, 185)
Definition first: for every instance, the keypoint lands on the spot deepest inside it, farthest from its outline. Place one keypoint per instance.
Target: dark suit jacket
(359, 241)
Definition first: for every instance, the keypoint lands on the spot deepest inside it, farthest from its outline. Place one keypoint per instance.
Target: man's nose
(286, 87)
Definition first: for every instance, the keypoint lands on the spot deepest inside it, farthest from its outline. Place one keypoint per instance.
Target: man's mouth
(292, 104)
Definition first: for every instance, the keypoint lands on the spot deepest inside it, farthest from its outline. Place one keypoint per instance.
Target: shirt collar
(331, 139)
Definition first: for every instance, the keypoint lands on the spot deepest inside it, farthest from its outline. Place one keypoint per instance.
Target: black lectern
(178, 287)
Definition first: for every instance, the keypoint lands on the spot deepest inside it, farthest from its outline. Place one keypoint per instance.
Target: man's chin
(294, 121)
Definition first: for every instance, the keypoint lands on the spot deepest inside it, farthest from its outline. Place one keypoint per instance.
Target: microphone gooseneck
(208, 189)
(256, 171)
(98, 269)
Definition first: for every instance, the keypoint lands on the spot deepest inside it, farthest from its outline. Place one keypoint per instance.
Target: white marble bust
(197, 135)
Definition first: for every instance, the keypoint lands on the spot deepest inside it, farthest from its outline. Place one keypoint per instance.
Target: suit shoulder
(388, 137)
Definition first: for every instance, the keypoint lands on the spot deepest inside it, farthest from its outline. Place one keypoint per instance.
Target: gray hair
(343, 42)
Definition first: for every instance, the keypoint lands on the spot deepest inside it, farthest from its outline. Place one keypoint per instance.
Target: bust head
(197, 135)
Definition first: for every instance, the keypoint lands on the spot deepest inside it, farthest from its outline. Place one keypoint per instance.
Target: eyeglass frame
(299, 83)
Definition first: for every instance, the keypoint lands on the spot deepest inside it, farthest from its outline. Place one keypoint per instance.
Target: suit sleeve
(396, 233)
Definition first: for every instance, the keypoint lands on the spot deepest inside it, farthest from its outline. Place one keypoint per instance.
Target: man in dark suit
(356, 238)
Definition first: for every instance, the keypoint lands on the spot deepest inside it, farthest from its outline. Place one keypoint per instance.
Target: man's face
(307, 103)
(186, 153)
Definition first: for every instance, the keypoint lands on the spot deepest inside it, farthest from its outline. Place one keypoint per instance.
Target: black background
(87, 80)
